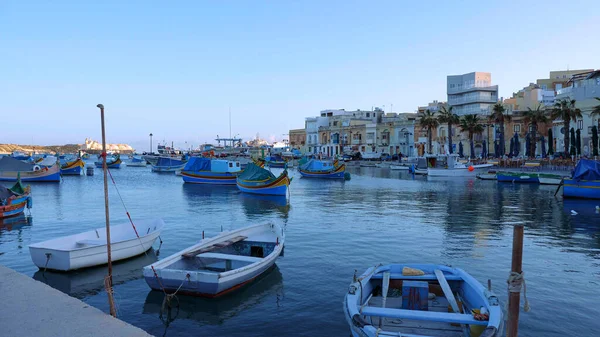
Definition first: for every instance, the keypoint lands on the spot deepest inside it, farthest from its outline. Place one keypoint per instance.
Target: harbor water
(332, 229)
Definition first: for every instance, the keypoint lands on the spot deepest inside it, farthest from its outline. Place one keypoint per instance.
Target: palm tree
(429, 122)
(565, 110)
(447, 116)
(499, 118)
(470, 124)
(533, 117)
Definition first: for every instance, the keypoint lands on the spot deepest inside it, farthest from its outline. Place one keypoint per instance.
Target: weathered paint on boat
(207, 177)
(14, 206)
(277, 186)
(336, 173)
(517, 177)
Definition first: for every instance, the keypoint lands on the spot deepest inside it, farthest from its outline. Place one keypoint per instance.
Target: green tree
(499, 117)
(471, 125)
(533, 117)
(429, 122)
(566, 110)
(450, 118)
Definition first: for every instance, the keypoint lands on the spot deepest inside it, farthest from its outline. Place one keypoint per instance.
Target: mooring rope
(47, 260)
(515, 282)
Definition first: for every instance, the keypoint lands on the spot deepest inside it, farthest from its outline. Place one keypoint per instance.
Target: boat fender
(37, 168)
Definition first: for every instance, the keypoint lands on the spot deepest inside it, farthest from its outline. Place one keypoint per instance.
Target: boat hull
(73, 168)
(51, 174)
(278, 186)
(74, 171)
(458, 172)
(399, 167)
(524, 177)
(275, 164)
(14, 207)
(137, 164)
(210, 283)
(116, 164)
(549, 180)
(584, 189)
(92, 253)
(168, 168)
(337, 173)
(211, 178)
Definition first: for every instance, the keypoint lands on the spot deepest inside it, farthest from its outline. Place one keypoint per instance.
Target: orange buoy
(471, 168)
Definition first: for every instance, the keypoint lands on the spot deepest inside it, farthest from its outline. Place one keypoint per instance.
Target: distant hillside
(68, 148)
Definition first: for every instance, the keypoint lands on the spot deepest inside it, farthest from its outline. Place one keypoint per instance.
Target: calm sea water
(332, 228)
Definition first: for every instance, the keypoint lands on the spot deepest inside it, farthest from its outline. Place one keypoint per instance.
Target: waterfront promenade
(31, 308)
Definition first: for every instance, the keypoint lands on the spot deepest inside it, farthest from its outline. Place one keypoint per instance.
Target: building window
(334, 123)
(517, 128)
(368, 115)
(580, 124)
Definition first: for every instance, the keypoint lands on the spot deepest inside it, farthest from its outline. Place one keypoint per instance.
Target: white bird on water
(573, 212)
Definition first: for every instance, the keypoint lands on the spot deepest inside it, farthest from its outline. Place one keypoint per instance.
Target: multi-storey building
(471, 93)
(297, 138)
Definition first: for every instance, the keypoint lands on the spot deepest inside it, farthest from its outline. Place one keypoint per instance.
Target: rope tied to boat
(515, 282)
(48, 255)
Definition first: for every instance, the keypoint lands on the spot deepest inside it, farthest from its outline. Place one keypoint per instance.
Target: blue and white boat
(137, 161)
(71, 166)
(199, 170)
(111, 162)
(415, 300)
(14, 200)
(12, 169)
(218, 265)
(330, 169)
(257, 180)
(275, 160)
(585, 182)
(18, 155)
(517, 177)
(168, 164)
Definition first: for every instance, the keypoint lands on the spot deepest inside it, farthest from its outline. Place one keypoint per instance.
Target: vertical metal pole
(111, 302)
(514, 298)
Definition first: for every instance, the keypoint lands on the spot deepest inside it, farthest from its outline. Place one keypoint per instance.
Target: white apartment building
(471, 93)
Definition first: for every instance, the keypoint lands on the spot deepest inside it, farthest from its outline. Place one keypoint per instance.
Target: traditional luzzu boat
(14, 200)
(315, 168)
(73, 167)
(275, 160)
(12, 169)
(88, 249)
(137, 161)
(218, 265)
(199, 170)
(425, 300)
(585, 182)
(111, 162)
(168, 164)
(18, 155)
(257, 180)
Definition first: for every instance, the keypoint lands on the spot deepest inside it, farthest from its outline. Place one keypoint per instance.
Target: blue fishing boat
(14, 200)
(71, 167)
(315, 168)
(199, 170)
(257, 180)
(585, 182)
(275, 160)
(168, 164)
(137, 161)
(11, 169)
(18, 155)
(111, 162)
(421, 300)
(517, 177)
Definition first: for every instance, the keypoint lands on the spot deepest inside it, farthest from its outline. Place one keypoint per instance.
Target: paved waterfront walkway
(31, 308)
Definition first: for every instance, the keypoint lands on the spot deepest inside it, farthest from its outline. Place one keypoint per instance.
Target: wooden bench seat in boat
(230, 257)
(418, 315)
(426, 277)
(217, 245)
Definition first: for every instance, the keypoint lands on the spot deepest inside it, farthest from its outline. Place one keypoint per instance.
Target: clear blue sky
(174, 68)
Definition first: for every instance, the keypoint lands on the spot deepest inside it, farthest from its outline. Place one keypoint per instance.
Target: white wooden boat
(220, 264)
(399, 167)
(383, 165)
(417, 299)
(89, 248)
(489, 175)
(550, 179)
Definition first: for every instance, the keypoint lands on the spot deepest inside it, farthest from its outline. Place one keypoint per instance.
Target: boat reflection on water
(15, 222)
(258, 205)
(215, 311)
(583, 214)
(90, 281)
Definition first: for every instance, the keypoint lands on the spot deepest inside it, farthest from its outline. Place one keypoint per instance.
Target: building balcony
(461, 90)
(478, 99)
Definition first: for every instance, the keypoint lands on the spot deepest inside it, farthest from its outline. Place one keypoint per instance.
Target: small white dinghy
(89, 248)
(218, 265)
(400, 167)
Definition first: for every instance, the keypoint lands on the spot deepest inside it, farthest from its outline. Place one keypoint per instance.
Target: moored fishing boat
(457, 169)
(168, 164)
(73, 167)
(18, 155)
(489, 175)
(422, 296)
(199, 170)
(11, 169)
(585, 182)
(89, 248)
(322, 169)
(549, 179)
(14, 200)
(275, 160)
(218, 265)
(517, 177)
(399, 167)
(136, 161)
(257, 180)
(111, 162)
